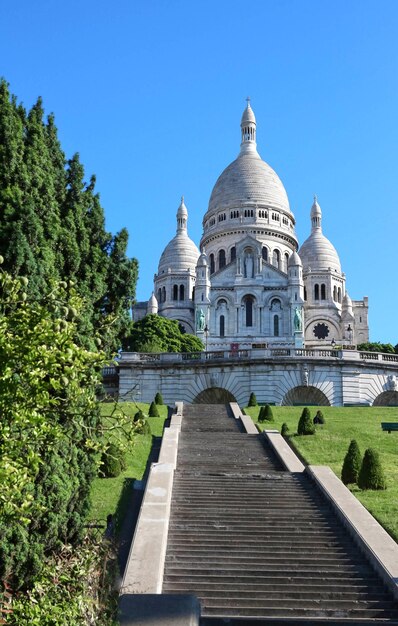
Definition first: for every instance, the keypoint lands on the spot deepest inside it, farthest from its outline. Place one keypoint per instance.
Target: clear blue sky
(151, 93)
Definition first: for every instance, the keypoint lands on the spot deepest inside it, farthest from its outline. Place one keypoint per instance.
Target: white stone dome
(181, 253)
(294, 259)
(317, 252)
(248, 179)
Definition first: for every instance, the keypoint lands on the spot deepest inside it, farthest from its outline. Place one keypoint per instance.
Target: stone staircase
(256, 543)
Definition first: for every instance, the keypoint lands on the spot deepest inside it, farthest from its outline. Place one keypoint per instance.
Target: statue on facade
(298, 320)
(391, 382)
(305, 377)
(249, 266)
(200, 320)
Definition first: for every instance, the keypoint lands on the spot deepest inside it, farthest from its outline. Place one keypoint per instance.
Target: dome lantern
(316, 215)
(248, 128)
(182, 216)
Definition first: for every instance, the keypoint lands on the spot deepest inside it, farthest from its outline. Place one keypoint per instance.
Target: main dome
(248, 180)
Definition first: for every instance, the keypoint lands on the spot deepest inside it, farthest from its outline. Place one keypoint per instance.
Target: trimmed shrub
(252, 399)
(284, 429)
(138, 416)
(319, 418)
(143, 428)
(268, 415)
(351, 464)
(261, 417)
(371, 475)
(305, 425)
(159, 399)
(153, 410)
(113, 461)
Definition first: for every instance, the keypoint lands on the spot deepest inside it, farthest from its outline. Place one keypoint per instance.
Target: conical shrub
(284, 429)
(351, 464)
(319, 418)
(252, 399)
(371, 475)
(261, 416)
(305, 425)
(268, 415)
(153, 410)
(159, 399)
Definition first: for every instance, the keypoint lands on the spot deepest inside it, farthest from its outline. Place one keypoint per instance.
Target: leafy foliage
(305, 425)
(53, 224)
(376, 346)
(113, 461)
(49, 425)
(252, 399)
(371, 475)
(266, 414)
(154, 333)
(319, 417)
(351, 464)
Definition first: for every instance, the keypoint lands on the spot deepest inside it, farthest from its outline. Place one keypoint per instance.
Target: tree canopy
(53, 226)
(154, 333)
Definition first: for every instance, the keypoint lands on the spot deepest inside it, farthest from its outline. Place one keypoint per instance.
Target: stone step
(284, 590)
(295, 613)
(272, 579)
(205, 568)
(245, 559)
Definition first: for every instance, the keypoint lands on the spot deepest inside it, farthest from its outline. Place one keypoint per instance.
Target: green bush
(351, 464)
(268, 415)
(153, 410)
(261, 417)
(305, 425)
(159, 399)
(138, 416)
(319, 418)
(371, 474)
(113, 461)
(252, 399)
(284, 429)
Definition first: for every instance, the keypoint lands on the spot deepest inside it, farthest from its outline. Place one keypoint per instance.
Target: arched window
(286, 260)
(182, 292)
(339, 294)
(159, 295)
(163, 294)
(264, 254)
(276, 325)
(335, 293)
(221, 259)
(233, 254)
(276, 258)
(323, 291)
(316, 291)
(249, 310)
(175, 292)
(193, 293)
(305, 294)
(222, 326)
(212, 263)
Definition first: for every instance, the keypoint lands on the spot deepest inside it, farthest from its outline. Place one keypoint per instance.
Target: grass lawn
(108, 495)
(330, 444)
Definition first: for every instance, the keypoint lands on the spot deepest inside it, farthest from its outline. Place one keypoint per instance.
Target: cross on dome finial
(248, 101)
(315, 198)
(182, 199)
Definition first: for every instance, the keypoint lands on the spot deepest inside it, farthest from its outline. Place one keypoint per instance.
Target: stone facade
(250, 285)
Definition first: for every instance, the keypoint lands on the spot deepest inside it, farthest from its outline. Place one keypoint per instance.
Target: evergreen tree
(268, 415)
(371, 475)
(284, 429)
(351, 464)
(305, 425)
(252, 399)
(153, 410)
(159, 399)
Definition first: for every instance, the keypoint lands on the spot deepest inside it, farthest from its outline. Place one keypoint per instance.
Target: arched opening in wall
(286, 261)
(264, 254)
(222, 326)
(175, 292)
(276, 258)
(163, 294)
(159, 295)
(323, 291)
(305, 294)
(304, 396)
(386, 398)
(248, 302)
(335, 293)
(214, 395)
(212, 267)
(233, 254)
(316, 291)
(339, 295)
(221, 259)
(182, 292)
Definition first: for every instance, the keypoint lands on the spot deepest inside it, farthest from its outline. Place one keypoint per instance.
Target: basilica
(250, 285)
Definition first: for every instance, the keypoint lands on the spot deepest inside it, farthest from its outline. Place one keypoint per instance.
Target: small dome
(318, 253)
(347, 300)
(180, 254)
(202, 261)
(152, 306)
(294, 259)
(182, 209)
